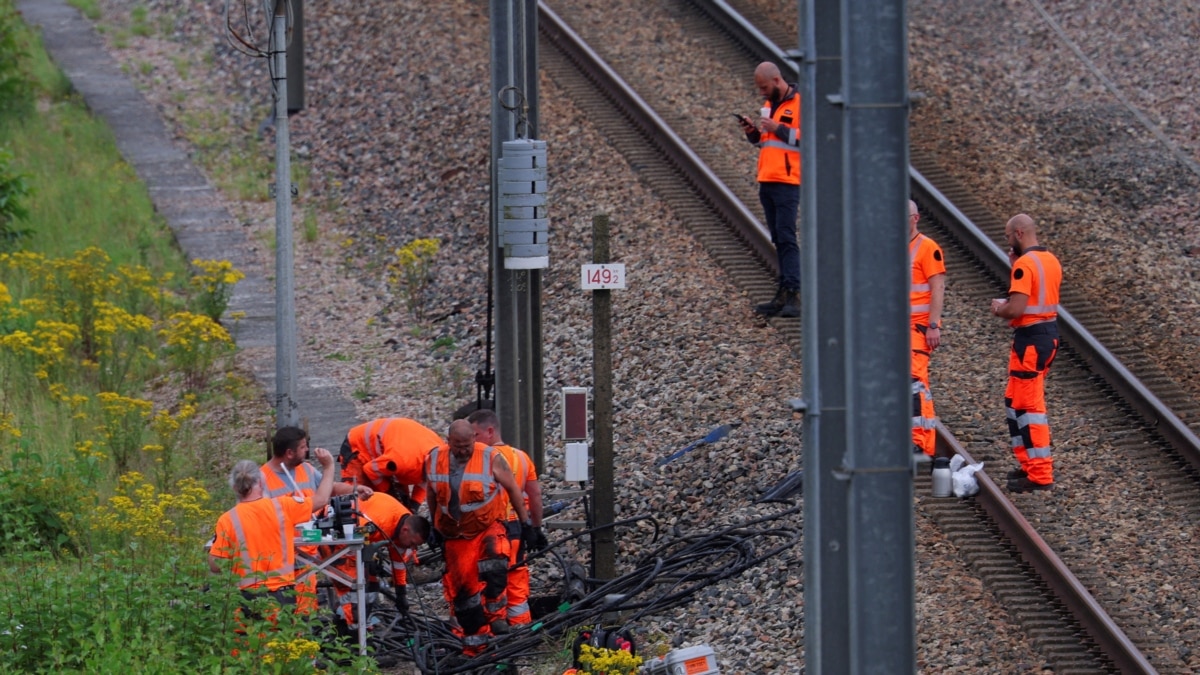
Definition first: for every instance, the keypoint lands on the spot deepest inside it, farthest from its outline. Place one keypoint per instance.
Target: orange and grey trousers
(1033, 350)
(924, 420)
(518, 578)
(475, 582)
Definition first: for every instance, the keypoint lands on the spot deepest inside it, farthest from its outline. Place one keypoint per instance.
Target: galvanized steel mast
(519, 388)
(859, 606)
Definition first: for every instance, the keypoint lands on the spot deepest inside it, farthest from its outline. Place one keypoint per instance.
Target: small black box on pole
(295, 59)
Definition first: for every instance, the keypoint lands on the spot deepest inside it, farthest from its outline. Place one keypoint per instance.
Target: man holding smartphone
(777, 135)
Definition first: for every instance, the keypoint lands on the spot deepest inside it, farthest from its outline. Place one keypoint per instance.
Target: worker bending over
(388, 455)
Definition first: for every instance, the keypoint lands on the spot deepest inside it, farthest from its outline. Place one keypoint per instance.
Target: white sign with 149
(600, 277)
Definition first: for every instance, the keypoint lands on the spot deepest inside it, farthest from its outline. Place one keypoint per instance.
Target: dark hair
(418, 525)
(485, 417)
(287, 438)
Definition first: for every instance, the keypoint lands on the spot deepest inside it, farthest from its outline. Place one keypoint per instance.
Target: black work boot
(771, 308)
(791, 305)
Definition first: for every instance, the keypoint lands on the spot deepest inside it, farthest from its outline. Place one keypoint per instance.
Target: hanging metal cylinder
(524, 226)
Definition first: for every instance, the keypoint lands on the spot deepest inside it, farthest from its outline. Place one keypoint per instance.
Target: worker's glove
(435, 540)
(540, 543)
(402, 599)
(533, 538)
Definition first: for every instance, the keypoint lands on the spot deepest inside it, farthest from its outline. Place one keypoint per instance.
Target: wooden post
(604, 553)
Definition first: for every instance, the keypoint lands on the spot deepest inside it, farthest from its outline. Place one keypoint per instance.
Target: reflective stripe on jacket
(925, 257)
(404, 442)
(259, 536)
(1037, 274)
(523, 470)
(779, 153)
(275, 485)
(387, 513)
(481, 500)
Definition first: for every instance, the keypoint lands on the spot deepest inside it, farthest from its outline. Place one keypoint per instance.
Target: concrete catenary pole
(826, 609)
(287, 410)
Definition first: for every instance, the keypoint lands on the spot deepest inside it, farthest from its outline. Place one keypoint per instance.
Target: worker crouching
(469, 489)
(384, 520)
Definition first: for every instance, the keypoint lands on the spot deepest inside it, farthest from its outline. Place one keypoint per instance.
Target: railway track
(1015, 549)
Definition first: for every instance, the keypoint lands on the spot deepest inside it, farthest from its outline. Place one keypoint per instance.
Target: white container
(698, 660)
(765, 113)
(942, 482)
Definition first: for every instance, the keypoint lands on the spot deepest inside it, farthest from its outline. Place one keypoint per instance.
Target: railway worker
(777, 134)
(383, 519)
(388, 454)
(259, 531)
(925, 297)
(469, 489)
(286, 473)
(487, 431)
(1032, 310)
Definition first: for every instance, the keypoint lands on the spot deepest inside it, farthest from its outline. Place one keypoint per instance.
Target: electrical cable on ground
(664, 578)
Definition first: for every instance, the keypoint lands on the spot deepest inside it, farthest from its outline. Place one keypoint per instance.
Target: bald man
(926, 296)
(469, 488)
(776, 132)
(1031, 308)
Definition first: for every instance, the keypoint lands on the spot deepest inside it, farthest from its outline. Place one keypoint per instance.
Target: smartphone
(739, 117)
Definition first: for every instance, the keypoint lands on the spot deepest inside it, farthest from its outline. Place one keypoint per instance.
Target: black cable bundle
(664, 578)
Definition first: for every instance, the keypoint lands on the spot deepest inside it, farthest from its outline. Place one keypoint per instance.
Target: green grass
(84, 193)
(89, 8)
(83, 588)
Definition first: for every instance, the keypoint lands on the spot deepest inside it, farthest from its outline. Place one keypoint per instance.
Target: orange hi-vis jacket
(481, 499)
(523, 470)
(779, 153)
(1037, 274)
(927, 262)
(404, 442)
(258, 535)
(386, 512)
(302, 482)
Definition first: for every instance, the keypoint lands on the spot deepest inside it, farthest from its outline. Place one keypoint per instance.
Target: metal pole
(287, 410)
(519, 382)
(826, 592)
(879, 455)
(604, 553)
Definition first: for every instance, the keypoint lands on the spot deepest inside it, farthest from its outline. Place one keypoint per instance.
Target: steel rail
(1108, 636)
(1050, 568)
(1102, 361)
(657, 131)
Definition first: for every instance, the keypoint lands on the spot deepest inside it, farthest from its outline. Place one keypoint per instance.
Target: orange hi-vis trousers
(475, 582)
(924, 420)
(518, 579)
(1033, 350)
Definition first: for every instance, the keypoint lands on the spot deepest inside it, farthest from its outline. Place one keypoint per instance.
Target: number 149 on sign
(600, 277)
